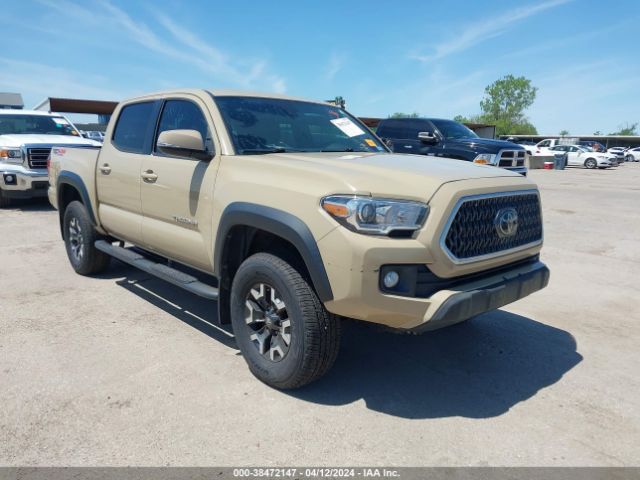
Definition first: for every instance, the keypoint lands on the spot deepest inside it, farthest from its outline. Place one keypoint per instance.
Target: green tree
(564, 133)
(505, 101)
(404, 115)
(627, 129)
(504, 104)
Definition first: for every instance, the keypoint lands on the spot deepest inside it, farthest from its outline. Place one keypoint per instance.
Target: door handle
(105, 169)
(149, 176)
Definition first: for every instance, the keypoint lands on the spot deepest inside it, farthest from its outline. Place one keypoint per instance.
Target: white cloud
(485, 29)
(336, 63)
(60, 82)
(171, 40)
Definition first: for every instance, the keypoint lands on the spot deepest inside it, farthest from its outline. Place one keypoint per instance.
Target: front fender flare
(282, 224)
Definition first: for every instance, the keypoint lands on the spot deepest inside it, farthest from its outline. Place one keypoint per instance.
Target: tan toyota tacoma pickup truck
(292, 215)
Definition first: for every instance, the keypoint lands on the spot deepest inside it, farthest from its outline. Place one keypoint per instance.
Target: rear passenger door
(403, 135)
(118, 170)
(177, 192)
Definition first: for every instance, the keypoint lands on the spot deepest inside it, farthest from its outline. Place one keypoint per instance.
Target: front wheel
(285, 334)
(79, 238)
(590, 163)
(629, 158)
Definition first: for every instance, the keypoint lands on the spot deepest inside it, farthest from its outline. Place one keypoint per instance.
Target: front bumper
(468, 303)
(25, 183)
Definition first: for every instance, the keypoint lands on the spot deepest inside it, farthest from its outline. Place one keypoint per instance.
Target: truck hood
(484, 145)
(381, 174)
(14, 140)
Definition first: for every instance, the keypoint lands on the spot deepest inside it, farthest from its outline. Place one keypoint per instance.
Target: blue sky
(431, 57)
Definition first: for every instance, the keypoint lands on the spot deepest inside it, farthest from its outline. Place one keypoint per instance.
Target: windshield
(451, 129)
(268, 125)
(35, 124)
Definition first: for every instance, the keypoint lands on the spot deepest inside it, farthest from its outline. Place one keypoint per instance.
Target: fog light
(391, 279)
(10, 179)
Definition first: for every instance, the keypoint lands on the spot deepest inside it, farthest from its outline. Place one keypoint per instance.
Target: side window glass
(412, 129)
(184, 115)
(133, 126)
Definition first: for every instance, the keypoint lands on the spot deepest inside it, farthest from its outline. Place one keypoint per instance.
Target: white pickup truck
(26, 139)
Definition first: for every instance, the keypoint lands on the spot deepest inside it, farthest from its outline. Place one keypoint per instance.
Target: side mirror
(183, 143)
(427, 137)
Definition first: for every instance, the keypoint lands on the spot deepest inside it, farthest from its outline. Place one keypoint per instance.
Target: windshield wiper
(343, 150)
(263, 150)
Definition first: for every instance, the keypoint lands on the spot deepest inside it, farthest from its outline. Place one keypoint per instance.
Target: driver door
(574, 156)
(177, 192)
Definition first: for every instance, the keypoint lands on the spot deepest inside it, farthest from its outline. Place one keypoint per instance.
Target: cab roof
(225, 93)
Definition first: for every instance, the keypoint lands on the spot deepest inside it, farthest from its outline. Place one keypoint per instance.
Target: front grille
(473, 233)
(511, 158)
(38, 157)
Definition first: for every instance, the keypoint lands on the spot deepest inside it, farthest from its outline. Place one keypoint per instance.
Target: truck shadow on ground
(477, 369)
(31, 205)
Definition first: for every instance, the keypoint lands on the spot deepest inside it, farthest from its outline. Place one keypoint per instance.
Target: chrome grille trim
(510, 158)
(500, 253)
(38, 156)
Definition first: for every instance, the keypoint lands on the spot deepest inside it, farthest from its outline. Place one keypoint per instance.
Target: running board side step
(163, 272)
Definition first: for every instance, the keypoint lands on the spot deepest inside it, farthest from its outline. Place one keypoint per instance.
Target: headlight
(485, 159)
(10, 155)
(375, 216)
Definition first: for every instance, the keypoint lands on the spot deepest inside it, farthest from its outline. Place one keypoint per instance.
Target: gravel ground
(126, 370)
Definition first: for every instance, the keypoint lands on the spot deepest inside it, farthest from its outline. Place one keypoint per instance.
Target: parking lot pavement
(124, 369)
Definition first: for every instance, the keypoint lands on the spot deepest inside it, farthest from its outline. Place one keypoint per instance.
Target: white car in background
(579, 156)
(632, 155)
(619, 152)
(545, 147)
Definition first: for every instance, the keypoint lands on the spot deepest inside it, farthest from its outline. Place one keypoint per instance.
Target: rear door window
(134, 129)
(403, 129)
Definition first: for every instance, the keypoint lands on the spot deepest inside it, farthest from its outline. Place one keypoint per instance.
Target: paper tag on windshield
(60, 121)
(349, 128)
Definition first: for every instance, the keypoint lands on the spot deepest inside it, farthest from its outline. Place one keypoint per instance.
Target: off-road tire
(4, 201)
(91, 260)
(590, 163)
(314, 332)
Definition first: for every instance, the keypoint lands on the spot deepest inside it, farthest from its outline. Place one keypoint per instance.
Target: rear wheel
(285, 334)
(79, 237)
(590, 163)
(4, 200)
(629, 158)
